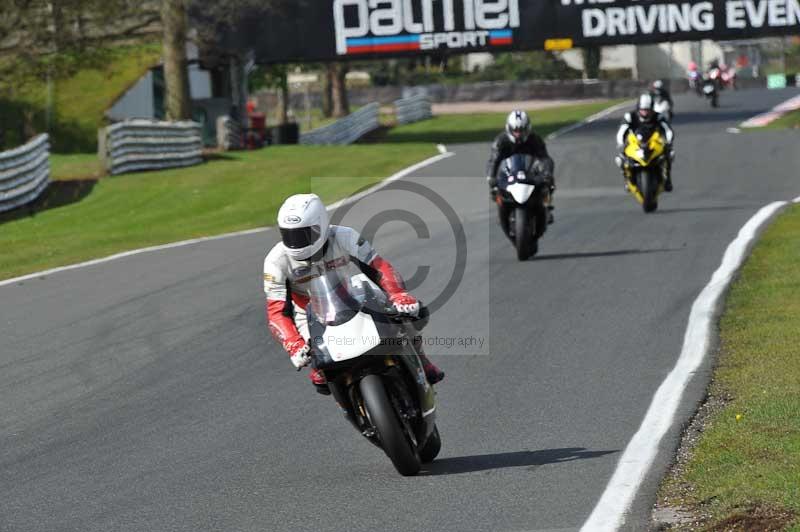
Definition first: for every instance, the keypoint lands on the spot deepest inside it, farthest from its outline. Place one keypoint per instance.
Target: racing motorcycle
(695, 81)
(523, 196)
(368, 352)
(710, 91)
(645, 165)
(662, 107)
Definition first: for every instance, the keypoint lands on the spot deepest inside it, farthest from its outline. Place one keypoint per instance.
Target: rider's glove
(405, 303)
(300, 354)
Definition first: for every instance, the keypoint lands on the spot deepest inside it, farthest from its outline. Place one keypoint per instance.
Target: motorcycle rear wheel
(396, 444)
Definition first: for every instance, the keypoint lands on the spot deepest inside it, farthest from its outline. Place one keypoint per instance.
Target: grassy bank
(79, 98)
(744, 473)
(90, 218)
(482, 127)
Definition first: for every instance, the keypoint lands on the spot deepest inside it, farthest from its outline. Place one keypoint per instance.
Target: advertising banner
(318, 30)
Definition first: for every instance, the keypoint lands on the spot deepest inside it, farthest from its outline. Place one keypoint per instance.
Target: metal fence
(24, 173)
(347, 130)
(412, 109)
(135, 145)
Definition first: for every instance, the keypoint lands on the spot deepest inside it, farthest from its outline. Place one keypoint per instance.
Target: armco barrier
(135, 145)
(347, 130)
(229, 134)
(24, 173)
(412, 109)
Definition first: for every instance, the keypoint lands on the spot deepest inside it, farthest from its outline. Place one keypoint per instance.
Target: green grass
(75, 166)
(790, 120)
(482, 127)
(749, 455)
(240, 191)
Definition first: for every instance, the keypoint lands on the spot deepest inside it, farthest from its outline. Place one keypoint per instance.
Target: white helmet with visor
(303, 222)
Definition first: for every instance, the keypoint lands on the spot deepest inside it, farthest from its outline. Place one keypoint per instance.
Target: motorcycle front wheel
(432, 447)
(648, 186)
(382, 415)
(524, 230)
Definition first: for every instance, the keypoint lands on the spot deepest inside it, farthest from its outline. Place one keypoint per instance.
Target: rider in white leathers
(308, 242)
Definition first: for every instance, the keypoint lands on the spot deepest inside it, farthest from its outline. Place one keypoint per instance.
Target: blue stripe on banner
(371, 41)
(502, 34)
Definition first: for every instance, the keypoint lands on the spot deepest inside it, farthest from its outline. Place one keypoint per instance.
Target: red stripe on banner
(397, 47)
(501, 41)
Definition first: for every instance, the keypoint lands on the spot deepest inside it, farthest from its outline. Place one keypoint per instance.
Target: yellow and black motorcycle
(645, 165)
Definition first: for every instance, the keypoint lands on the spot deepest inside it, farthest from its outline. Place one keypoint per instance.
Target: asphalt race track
(145, 393)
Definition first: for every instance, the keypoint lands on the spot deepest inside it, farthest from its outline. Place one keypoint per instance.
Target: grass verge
(790, 120)
(482, 127)
(744, 471)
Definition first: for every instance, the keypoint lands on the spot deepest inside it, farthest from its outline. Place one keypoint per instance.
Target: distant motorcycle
(645, 165)
(523, 193)
(695, 81)
(662, 107)
(710, 91)
(369, 355)
(728, 77)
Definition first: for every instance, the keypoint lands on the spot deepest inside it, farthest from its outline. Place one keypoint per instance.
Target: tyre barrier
(347, 130)
(136, 145)
(24, 173)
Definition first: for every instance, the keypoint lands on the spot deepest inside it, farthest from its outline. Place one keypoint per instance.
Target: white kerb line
(635, 462)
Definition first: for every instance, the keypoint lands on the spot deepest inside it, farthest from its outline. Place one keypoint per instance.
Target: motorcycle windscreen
(337, 291)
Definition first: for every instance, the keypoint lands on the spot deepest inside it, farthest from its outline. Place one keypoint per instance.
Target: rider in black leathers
(518, 138)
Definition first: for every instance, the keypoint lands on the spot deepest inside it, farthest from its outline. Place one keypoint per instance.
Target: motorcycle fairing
(644, 152)
(521, 192)
(351, 339)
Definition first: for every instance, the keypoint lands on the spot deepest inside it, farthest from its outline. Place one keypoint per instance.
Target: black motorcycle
(710, 91)
(368, 353)
(523, 194)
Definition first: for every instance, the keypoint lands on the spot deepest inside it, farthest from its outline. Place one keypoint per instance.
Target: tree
(175, 22)
(591, 61)
(341, 103)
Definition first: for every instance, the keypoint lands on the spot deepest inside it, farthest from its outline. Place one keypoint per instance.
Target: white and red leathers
(287, 297)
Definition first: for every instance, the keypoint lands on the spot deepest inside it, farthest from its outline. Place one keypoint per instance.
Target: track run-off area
(145, 393)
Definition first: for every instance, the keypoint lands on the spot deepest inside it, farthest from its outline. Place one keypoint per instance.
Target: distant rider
(645, 115)
(518, 138)
(662, 99)
(309, 240)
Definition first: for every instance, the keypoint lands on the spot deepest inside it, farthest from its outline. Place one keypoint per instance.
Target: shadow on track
(588, 255)
(708, 209)
(484, 462)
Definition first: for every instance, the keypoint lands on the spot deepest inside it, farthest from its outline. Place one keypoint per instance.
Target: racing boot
(549, 204)
(432, 372)
(319, 381)
(668, 172)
